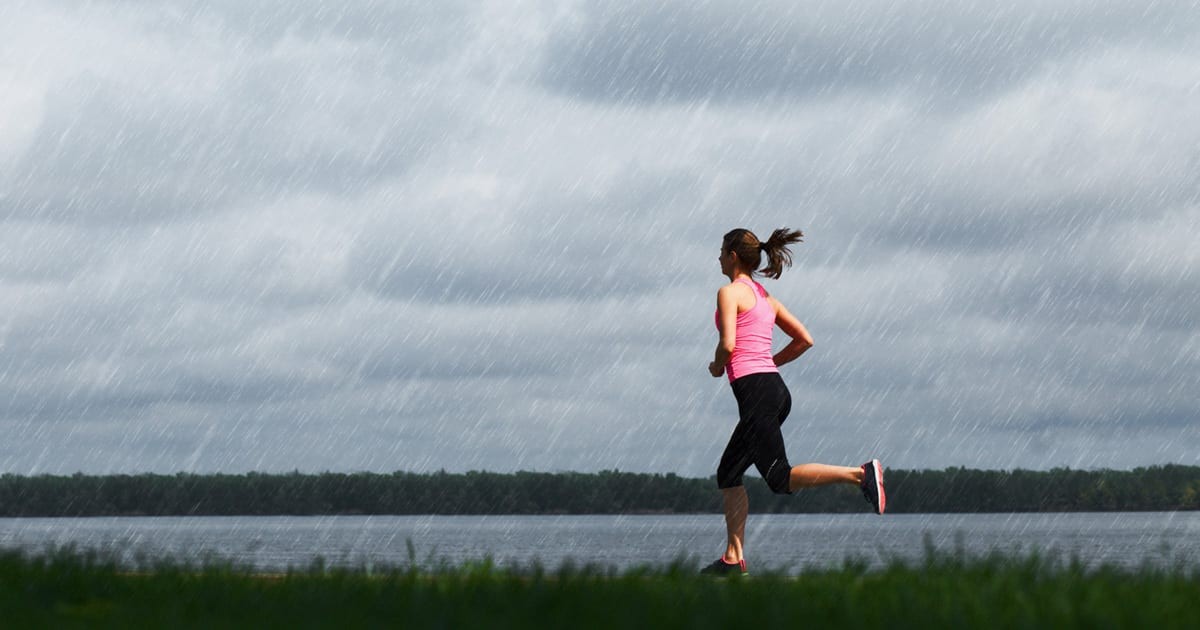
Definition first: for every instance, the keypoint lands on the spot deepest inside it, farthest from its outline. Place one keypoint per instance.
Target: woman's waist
(745, 364)
(741, 376)
(751, 347)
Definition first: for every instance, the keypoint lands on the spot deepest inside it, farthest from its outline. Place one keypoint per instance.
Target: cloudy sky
(383, 236)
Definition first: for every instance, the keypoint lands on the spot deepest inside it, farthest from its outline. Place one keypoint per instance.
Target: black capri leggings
(763, 404)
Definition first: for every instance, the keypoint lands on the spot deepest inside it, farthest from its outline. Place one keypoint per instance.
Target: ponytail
(749, 250)
(779, 255)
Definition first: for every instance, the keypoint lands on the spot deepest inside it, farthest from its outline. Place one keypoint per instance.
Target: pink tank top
(752, 349)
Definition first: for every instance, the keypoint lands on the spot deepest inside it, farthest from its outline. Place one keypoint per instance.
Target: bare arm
(727, 323)
(801, 340)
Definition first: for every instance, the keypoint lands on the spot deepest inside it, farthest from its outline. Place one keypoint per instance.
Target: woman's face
(726, 259)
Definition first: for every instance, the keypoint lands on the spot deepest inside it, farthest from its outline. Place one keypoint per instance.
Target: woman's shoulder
(734, 287)
(756, 287)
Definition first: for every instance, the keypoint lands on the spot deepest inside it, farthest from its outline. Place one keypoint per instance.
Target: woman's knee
(728, 479)
(779, 477)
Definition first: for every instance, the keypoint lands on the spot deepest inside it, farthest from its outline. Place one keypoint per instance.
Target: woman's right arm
(801, 340)
(727, 325)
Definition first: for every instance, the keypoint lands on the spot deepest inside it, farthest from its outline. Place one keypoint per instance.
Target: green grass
(66, 588)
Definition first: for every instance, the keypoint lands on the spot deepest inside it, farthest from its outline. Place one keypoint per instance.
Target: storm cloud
(416, 236)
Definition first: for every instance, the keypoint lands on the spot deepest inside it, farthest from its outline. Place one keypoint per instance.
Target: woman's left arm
(801, 340)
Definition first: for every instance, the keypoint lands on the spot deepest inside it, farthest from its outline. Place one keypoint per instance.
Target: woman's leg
(809, 475)
(737, 505)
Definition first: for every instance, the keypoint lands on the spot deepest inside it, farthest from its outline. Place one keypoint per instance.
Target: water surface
(788, 542)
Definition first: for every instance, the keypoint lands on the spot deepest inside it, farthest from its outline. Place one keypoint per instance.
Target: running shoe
(872, 485)
(720, 568)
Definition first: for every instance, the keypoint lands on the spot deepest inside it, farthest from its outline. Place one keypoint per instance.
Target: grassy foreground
(65, 588)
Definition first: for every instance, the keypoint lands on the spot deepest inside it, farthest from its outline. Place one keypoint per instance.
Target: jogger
(746, 317)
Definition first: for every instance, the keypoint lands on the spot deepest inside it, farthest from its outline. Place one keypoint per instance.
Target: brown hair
(749, 249)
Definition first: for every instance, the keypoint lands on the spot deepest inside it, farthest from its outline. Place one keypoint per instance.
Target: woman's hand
(715, 369)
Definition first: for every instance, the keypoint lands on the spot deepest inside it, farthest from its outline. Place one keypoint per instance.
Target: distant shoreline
(1169, 487)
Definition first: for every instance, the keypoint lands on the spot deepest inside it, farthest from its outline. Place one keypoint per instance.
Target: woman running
(746, 316)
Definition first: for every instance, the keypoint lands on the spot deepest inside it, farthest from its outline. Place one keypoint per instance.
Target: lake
(787, 542)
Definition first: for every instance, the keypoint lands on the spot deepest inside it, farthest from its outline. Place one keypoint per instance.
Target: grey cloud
(427, 31)
(481, 352)
(951, 221)
(1087, 296)
(92, 161)
(545, 245)
(253, 124)
(89, 386)
(351, 238)
(946, 203)
(104, 157)
(687, 51)
(35, 253)
(1135, 273)
(520, 341)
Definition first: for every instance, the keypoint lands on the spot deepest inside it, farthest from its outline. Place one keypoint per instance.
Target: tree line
(1168, 487)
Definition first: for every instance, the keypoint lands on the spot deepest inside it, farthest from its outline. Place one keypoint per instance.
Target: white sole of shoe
(879, 485)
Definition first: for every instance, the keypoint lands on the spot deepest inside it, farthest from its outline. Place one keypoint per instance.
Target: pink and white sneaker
(721, 568)
(872, 485)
